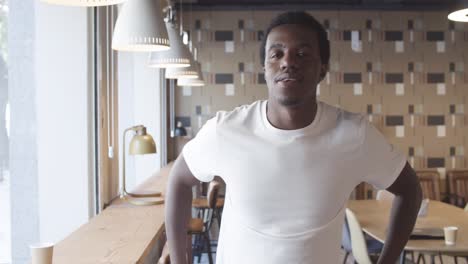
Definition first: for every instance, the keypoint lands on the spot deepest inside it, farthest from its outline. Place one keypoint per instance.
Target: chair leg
(440, 258)
(208, 246)
(345, 257)
(455, 259)
(218, 217)
(421, 256)
(198, 249)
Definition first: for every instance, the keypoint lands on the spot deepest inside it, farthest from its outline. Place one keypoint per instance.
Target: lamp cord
(108, 89)
(112, 81)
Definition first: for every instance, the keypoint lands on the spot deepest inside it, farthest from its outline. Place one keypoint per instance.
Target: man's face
(292, 64)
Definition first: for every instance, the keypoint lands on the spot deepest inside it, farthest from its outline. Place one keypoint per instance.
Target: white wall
(62, 105)
(139, 103)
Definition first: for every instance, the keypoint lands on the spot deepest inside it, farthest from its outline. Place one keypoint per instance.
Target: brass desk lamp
(141, 143)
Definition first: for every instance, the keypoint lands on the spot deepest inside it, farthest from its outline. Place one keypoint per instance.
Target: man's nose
(289, 60)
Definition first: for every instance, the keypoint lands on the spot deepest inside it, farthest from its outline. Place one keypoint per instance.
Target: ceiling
(317, 4)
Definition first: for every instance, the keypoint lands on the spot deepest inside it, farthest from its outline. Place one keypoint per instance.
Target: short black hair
(299, 18)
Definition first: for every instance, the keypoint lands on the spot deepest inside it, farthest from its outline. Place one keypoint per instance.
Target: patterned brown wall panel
(427, 52)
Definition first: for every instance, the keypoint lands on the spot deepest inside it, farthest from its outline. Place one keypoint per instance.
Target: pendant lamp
(188, 72)
(84, 2)
(140, 27)
(459, 12)
(177, 56)
(194, 81)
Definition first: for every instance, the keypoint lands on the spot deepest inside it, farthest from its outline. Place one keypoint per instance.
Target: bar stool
(201, 204)
(199, 227)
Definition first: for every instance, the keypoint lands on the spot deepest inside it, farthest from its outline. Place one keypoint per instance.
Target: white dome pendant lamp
(140, 27)
(460, 11)
(177, 56)
(193, 82)
(187, 72)
(84, 2)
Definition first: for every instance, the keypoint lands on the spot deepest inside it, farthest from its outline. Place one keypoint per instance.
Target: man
(290, 164)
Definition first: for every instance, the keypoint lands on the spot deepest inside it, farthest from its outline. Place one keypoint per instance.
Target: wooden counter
(122, 233)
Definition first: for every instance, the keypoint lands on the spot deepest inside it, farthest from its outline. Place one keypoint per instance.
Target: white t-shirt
(286, 190)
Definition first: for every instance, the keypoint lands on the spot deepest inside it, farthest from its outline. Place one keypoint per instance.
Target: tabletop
(373, 216)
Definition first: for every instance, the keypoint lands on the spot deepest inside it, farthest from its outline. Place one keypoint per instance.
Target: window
(51, 133)
(69, 99)
(5, 227)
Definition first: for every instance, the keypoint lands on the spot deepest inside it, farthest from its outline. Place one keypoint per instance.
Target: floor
(5, 228)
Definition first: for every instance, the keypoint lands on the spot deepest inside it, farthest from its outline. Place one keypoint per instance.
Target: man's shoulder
(240, 113)
(341, 115)
(344, 127)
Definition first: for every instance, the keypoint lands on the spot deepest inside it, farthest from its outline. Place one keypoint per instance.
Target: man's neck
(291, 117)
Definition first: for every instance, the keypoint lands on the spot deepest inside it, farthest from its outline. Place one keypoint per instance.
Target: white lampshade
(188, 72)
(190, 82)
(177, 56)
(140, 27)
(84, 2)
(460, 11)
(193, 81)
(459, 15)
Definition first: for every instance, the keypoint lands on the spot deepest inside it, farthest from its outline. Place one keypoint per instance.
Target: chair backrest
(212, 194)
(384, 195)
(458, 186)
(212, 198)
(430, 183)
(358, 242)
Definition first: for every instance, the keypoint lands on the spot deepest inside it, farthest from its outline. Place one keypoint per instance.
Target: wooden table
(374, 217)
(122, 233)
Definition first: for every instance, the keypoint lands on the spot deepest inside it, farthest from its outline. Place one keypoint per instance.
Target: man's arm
(178, 209)
(408, 196)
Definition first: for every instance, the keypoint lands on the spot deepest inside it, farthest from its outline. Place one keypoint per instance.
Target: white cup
(41, 253)
(450, 234)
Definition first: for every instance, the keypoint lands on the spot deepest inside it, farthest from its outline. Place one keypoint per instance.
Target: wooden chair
(364, 191)
(201, 204)
(458, 187)
(200, 228)
(384, 195)
(430, 184)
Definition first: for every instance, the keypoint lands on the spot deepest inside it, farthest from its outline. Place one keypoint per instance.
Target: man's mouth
(286, 79)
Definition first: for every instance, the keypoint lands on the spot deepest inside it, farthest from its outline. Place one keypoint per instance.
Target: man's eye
(274, 55)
